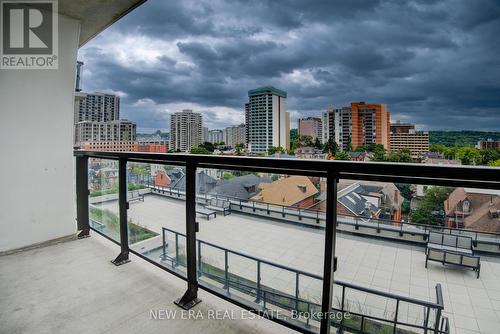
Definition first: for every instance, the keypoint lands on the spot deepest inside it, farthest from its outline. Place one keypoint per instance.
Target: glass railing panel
(381, 257)
(273, 257)
(103, 197)
(213, 266)
(156, 219)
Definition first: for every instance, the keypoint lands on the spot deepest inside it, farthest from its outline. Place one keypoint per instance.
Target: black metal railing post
(82, 196)
(297, 291)
(199, 259)
(164, 246)
(226, 270)
(259, 288)
(396, 317)
(329, 258)
(176, 249)
(123, 257)
(190, 297)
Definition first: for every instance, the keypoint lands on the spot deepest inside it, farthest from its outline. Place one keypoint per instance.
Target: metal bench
(206, 213)
(451, 249)
(219, 205)
(450, 242)
(137, 197)
(449, 257)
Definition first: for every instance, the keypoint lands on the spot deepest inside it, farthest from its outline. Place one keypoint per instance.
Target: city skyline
(434, 64)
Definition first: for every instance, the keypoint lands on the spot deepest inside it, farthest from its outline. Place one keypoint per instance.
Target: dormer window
(466, 206)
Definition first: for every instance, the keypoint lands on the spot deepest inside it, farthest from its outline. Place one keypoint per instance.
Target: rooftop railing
(488, 242)
(476, 177)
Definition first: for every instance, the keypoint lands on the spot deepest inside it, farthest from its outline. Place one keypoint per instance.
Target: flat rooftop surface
(472, 305)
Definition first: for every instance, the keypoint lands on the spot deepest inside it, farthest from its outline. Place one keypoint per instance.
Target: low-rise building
(295, 191)
(152, 146)
(111, 131)
(358, 156)
(475, 209)
(310, 153)
(441, 161)
(365, 199)
(404, 136)
(115, 146)
(488, 144)
(161, 179)
(241, 187)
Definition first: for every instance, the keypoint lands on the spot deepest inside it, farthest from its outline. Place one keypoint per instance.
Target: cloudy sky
(435, 63)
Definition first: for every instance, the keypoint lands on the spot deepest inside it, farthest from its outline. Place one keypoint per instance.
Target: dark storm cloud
(434, 63)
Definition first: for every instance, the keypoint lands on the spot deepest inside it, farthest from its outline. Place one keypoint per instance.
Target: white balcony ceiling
(96, 15)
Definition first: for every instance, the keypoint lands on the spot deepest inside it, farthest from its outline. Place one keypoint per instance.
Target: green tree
(305, 141)
(330, 146)
(406, 190)
(405, 206)
(489, 155)
(227, 175)
(349, 145)
(430, 208)
(403, 155)
(342, 156)
(447, 151)
(239, 148)
(208, 146)
(469, 155)
(495, 163)
(318, 144)
(379, 153)
(273, 149)
(200, 150)
(370, 148)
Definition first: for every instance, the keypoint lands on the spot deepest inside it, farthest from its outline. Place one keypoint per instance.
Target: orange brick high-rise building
(356, 125)
(371, 124)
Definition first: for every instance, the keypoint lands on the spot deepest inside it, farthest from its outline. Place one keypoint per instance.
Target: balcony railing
(195, 269)
(265, 296)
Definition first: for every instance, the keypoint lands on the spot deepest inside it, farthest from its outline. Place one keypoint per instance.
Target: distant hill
(461, 138)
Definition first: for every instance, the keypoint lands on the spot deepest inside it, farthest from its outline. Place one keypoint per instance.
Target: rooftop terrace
(472, 305)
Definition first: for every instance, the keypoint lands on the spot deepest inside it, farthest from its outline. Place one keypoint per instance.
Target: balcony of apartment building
(201, 238)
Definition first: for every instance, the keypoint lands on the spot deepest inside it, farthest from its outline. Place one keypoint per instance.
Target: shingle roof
(351, 197)
(204, 182)
(287, 191)
(239, 187)
(481, 204)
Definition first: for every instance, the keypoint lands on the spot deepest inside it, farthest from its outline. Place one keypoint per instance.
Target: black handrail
(464, 176)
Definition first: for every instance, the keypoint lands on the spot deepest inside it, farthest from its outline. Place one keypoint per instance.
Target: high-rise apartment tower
(185, 130)
(267, 121)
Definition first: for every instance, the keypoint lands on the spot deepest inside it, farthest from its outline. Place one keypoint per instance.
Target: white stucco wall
(36, 169)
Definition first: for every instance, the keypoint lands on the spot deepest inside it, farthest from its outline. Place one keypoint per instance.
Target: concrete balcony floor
(72, 287)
